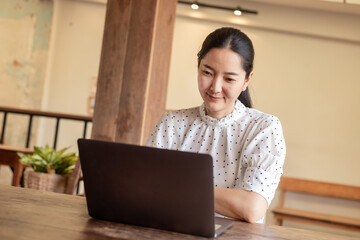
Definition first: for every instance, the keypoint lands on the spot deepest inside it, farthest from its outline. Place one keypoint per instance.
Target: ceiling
(338, 6)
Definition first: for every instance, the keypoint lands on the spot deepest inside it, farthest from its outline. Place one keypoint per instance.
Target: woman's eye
(207, 73)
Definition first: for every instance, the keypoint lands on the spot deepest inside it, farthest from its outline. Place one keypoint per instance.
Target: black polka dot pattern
(247, 146)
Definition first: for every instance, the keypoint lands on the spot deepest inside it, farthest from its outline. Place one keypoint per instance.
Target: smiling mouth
(214, 98)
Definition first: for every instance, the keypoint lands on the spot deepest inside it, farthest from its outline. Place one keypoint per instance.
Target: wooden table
(8, 156)
(33, 214)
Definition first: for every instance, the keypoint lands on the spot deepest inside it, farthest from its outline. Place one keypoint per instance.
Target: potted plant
(50, 169)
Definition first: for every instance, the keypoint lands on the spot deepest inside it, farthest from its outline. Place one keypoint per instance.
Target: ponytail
(245, 98)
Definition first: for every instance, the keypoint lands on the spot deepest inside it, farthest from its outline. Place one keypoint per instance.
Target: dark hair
(238, 42)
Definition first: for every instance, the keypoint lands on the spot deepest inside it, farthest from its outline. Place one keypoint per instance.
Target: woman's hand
(240, 204)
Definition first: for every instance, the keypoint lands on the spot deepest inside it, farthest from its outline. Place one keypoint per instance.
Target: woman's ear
(247, 81)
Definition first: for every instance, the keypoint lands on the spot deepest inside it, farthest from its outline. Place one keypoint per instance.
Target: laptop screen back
(150, 187)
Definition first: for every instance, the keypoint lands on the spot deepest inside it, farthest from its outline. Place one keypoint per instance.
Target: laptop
(150, 187)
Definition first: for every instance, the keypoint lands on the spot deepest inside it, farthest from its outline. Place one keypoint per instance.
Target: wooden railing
(35, 113)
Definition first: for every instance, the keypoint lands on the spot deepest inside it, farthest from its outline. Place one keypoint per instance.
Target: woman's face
(221, 79)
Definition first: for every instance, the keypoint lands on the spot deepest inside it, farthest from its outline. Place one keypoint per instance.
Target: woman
(247, 146)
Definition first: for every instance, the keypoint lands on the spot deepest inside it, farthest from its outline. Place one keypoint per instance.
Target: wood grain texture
(137, 70)
(74, 179)
(330, 220)
(45, 113)
(112, 62)
(288, 184)
(147, 67)
(9, 157)
(16, 149)
(160, 65)
(33, 214)
(134, 69)
(320, 188)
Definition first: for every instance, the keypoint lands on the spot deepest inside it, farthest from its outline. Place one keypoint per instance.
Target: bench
(9, 157)
(318, 188)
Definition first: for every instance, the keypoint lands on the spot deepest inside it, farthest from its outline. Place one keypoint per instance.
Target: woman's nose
(216, 84)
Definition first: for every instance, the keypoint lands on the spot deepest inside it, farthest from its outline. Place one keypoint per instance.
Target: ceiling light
(195, 6)
(237, 12)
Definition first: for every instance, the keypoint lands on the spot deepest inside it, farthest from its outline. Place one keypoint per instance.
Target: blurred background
(306, 73)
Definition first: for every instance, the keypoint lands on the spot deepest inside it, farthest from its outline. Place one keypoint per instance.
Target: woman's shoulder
(261, 118)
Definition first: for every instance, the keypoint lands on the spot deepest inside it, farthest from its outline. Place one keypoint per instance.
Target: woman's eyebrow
(207, 66)
(228, 73)
(231, 73)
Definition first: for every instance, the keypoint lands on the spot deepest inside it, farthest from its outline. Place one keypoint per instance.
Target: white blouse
(247, 146)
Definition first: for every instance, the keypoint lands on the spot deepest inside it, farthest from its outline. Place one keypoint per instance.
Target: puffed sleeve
(263, 158)
(162, 134)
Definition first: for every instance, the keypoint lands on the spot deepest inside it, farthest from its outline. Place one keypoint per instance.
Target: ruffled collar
(225, 121)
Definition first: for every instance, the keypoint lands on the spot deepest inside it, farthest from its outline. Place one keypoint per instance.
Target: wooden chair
(74, 179)
(288, 184)
(9, 157)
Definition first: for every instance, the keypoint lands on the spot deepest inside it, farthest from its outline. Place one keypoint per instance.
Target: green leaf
(46, 159)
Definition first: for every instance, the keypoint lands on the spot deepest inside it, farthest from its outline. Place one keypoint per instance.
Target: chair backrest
(74, 179)
(318, 188)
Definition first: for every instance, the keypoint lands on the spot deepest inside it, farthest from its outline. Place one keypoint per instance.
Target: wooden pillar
(134, 69)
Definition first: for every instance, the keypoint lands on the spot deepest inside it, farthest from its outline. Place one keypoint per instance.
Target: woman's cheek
(202, 84)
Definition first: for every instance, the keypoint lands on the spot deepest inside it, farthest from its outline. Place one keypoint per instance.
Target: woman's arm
(240, 204)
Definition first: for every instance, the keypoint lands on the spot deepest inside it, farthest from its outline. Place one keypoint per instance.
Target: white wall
(24, 45)
(75, 54)
(74, 63)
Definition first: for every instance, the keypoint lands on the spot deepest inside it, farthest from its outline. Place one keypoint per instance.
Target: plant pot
(45, 181)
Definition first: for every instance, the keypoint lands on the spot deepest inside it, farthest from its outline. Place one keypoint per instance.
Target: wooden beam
(111, 70)
(137, 71)
(134, 69)
(158, 82)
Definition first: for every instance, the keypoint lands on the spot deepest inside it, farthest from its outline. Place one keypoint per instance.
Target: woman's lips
(213, 98)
